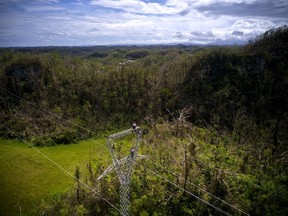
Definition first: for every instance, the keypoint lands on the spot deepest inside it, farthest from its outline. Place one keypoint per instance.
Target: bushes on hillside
(109, 93)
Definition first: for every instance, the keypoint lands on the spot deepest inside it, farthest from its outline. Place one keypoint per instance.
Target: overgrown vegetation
(232, 141)
(198, 160)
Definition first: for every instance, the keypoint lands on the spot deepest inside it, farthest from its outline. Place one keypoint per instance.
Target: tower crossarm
(106, 172)
(111, 168)
(120, 134)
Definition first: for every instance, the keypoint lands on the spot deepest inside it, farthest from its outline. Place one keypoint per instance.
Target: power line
(64, 170)
(44, 110)
(190, 193)
(197, 187)
(51, 113)
(215, 168)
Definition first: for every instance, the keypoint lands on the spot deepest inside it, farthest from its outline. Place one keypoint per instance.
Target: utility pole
(124, 167)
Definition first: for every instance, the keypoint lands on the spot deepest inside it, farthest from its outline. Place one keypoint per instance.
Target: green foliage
(229, 137)
(93, 93)
(202, 157)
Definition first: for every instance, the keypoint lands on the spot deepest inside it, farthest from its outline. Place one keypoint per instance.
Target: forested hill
(226, 86)
(217, 116)
(223, 85)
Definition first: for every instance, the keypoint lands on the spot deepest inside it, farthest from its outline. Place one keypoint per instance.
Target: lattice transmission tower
(124, 167)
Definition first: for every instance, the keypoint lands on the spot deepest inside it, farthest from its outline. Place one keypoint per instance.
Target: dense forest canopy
(221, 84)
(240, 91)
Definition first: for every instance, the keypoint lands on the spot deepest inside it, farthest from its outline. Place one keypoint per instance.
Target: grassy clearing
(27, 178)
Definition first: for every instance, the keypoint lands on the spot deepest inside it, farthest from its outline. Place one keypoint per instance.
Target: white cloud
(207, 2)
(43, 8)
(8, 1)
(129, 22)
(137, 6)
(47, 1)
(251, 25)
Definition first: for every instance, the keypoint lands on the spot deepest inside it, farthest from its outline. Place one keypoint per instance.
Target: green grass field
(27, 178)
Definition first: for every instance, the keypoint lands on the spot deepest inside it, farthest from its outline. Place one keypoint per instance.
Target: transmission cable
(44, 110)
(64, 170)
(162, 167)
(181, 188)
(58, 116)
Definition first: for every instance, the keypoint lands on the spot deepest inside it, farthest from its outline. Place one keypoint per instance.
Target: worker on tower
(132, 152)
(134, 126)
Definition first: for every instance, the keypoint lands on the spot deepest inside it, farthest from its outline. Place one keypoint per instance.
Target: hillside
(215, 116)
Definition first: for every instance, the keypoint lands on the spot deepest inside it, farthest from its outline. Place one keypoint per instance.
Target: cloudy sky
(110, 22)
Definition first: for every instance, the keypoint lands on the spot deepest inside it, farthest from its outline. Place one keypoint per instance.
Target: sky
(136, 22)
